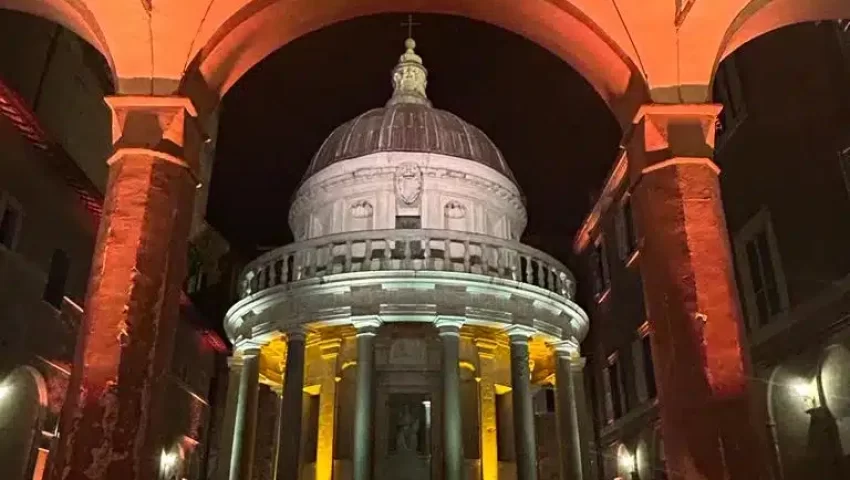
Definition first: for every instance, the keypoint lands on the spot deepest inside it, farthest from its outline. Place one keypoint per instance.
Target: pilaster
(708, 422)
(367, 329)
(112, 420)
(487, 408)
(327, 409)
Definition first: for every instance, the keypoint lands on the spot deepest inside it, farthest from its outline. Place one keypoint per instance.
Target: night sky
(554, 130)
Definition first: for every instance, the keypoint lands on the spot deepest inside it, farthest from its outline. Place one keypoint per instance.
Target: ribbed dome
(408, 127)
(408, 123)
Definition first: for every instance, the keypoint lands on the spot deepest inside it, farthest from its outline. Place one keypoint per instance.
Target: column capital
(566, 348)
(486, 347)
(163, 127)
(449, 325)
(520, 333)
(578, 363)
(672, 134)
(248, 351)
(330, 347)
(367, 325)
(296, 334)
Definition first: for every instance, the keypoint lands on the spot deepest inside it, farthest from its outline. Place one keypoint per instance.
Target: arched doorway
(23, 397)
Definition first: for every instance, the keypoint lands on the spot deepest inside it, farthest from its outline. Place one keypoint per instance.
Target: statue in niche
(407, 431)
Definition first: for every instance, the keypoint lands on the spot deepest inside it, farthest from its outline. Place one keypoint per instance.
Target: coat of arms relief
(408, 183)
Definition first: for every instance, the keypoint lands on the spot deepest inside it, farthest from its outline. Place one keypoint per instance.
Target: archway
(760, 17)
(253, 33)
(23, 398)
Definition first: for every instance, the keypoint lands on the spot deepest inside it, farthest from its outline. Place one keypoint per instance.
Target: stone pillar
(449, 330)
(584, 419)
(364, 398)
(525, 438)
(708, 423)
(487, 409)
(111, 425)
(245, 417)
(327, 410)
(566, 413)
(291, 408)
(225, 440)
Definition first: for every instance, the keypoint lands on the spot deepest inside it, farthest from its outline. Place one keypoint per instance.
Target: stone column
(291, 408)
(449, 330)
(245, 417)
(225, 440)
(364, 398)
(584, 419)
(327, 410)
(111, 420)
(525, 438)
(487, 409)
(708, 423)
(566, 413)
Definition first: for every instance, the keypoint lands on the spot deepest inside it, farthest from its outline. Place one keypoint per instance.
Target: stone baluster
(386, 264)
(467, 257)
(485, 261)
(515, 266)
(427, 255)
(262, 278)
(348, 253)
(367, 255)
(408, 254)
(447, 254)
(529, 270)
(284, 269)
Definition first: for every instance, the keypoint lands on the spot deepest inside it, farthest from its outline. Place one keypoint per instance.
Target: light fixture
(806, 390)
(5, 391)
(627, 462)
(167, 461)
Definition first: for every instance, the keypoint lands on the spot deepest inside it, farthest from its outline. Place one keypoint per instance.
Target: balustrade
(418, 250)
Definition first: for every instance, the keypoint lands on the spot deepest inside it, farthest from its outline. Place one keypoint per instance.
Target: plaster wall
(360, 194)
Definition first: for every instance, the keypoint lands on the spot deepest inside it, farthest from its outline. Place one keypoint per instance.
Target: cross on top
(409, 24)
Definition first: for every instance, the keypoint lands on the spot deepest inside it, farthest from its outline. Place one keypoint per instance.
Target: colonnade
(237, 449)
(139, 265)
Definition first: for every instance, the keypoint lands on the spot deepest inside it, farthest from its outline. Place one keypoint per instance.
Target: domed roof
(409, 123)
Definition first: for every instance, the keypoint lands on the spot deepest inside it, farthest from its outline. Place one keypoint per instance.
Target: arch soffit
(71, 14)
(759, 17)
(590, 38)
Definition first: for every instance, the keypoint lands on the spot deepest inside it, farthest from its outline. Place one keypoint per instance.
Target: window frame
(757, 224)
(7, 201)
(601, 269)
(628, 238)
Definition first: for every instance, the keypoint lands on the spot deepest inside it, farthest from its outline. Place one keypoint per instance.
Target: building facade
(51, 180)
(407, 331)
(782, 147)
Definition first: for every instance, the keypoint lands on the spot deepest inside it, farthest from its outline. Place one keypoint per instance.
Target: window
(763, 283)
(601, 273)
(626, 233)
(644, 368)
(729, 92)
(615, 391)
(54, 291)
(408, 222)
(844, 163)
(10, 221)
